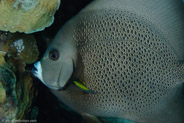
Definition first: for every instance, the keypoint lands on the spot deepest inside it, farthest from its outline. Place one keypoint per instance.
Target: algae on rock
(17, 89)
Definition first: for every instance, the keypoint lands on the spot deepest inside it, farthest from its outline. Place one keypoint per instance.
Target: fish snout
(34, 70)
(37, 71)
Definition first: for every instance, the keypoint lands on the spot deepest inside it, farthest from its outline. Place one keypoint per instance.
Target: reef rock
(8, 98)
(27, 16)
(22, 46)
(2, 94)
(17, 89)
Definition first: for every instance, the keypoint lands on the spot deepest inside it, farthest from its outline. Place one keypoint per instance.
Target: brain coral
(27, 16)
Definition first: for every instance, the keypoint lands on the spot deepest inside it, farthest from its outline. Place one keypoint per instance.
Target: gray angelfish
(128, 52)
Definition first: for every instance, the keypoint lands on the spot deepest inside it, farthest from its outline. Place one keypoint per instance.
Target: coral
(5, 35)
(26, 93)
(17, 90)
(2, 94)
(27, 15)
(8, 99)
(2, 58)
(22, 46)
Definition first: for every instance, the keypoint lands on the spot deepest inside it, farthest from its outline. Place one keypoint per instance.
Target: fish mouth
(34, 70)
(37, 71)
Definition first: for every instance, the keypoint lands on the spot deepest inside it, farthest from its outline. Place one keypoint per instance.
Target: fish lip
(37, 71)
(34, 70)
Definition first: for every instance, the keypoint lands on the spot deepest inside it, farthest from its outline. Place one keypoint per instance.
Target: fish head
(56, 66)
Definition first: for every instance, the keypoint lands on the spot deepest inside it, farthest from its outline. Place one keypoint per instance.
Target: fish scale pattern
(126, 61)
(121, 25)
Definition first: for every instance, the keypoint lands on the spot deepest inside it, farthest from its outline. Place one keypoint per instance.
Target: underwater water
(29, 99)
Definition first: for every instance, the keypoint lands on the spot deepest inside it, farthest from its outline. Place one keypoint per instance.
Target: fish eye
(54, 55)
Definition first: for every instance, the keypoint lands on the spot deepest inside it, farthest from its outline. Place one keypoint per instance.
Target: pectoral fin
(83, 87)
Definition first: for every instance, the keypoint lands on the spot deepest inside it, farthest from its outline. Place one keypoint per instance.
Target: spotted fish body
(129, 53)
